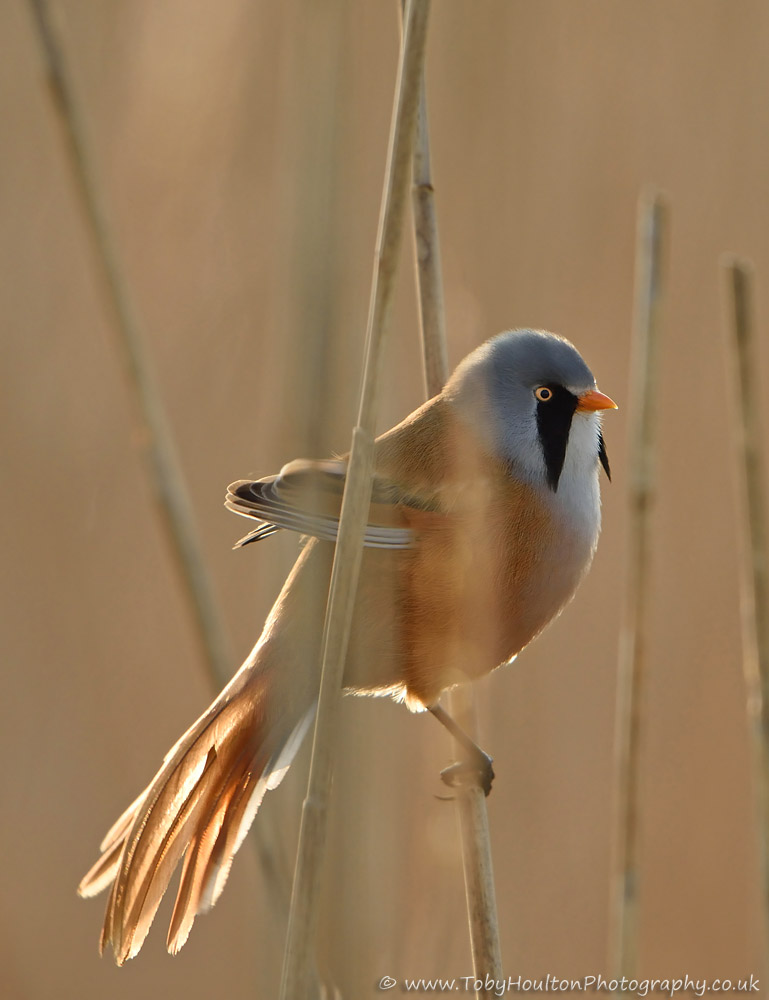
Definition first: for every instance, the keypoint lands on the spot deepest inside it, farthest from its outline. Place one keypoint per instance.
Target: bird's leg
(478, 763)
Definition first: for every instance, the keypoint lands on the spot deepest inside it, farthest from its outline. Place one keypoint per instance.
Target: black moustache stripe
(603, 456)
(553, 424)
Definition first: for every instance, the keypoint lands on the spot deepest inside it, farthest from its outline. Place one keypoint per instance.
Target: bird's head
(533, 402)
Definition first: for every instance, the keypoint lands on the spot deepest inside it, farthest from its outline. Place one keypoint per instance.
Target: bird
(485, 514)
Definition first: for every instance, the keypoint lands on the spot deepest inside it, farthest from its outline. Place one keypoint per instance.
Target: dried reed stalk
(427, 252)
(471, 801)
(311, 115)
(754, 562)
(651, 252)
(162, 463)
(355, 505)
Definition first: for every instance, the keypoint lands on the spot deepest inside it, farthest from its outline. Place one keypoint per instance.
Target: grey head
(532, 400)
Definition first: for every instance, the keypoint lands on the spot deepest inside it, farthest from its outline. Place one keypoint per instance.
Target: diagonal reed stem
(754, 561)
(651, 262)
(159, 451)
(162, 463)
(471, 801)
(297, 963)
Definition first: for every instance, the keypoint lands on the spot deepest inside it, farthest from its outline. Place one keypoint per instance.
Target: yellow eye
(543, 394)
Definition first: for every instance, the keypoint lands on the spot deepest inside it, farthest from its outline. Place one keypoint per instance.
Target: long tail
(199, 806)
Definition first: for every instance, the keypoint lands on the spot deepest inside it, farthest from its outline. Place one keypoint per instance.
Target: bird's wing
(306, 496)
(420, 473)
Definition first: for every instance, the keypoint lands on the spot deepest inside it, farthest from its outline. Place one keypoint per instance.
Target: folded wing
(306, 497)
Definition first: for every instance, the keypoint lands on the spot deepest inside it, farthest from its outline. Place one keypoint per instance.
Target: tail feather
(209, 858)
(234, 827)
(138, 890)
(103, 873)
(199, 806)
(118, 830)
(203, 853)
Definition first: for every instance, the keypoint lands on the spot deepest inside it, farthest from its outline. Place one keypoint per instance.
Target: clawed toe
(466, 773)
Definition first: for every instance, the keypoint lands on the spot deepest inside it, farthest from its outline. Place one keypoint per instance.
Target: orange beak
(594, 400)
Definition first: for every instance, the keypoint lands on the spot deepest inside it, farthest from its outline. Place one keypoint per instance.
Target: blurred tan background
(241, 145)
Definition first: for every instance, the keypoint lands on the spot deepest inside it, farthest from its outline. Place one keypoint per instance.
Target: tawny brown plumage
(480, 560)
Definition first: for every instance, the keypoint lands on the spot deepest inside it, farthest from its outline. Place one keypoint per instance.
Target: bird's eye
(543, 394)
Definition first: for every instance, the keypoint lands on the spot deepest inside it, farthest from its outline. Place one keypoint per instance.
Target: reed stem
(754, 562)
(471, 801)
(159, 451)
(297, 964)
(651, 262)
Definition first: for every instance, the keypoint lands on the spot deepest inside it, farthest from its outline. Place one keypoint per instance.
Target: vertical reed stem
(427, 251)
(471, 801)
(651, 251)
(355, 505)
(754, 590)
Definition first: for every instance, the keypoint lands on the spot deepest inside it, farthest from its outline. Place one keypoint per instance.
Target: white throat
(578, 497)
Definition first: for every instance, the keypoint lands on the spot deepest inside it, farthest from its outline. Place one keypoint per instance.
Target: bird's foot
(476, 770)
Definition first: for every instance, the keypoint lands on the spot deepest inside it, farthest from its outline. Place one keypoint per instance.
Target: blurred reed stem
(161, 460)
(471, 801)
(159, 451)
(651, 263)
(310, 123)
(355, 506)
(754, 561)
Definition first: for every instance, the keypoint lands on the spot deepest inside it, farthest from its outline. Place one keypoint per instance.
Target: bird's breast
(483, 581)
